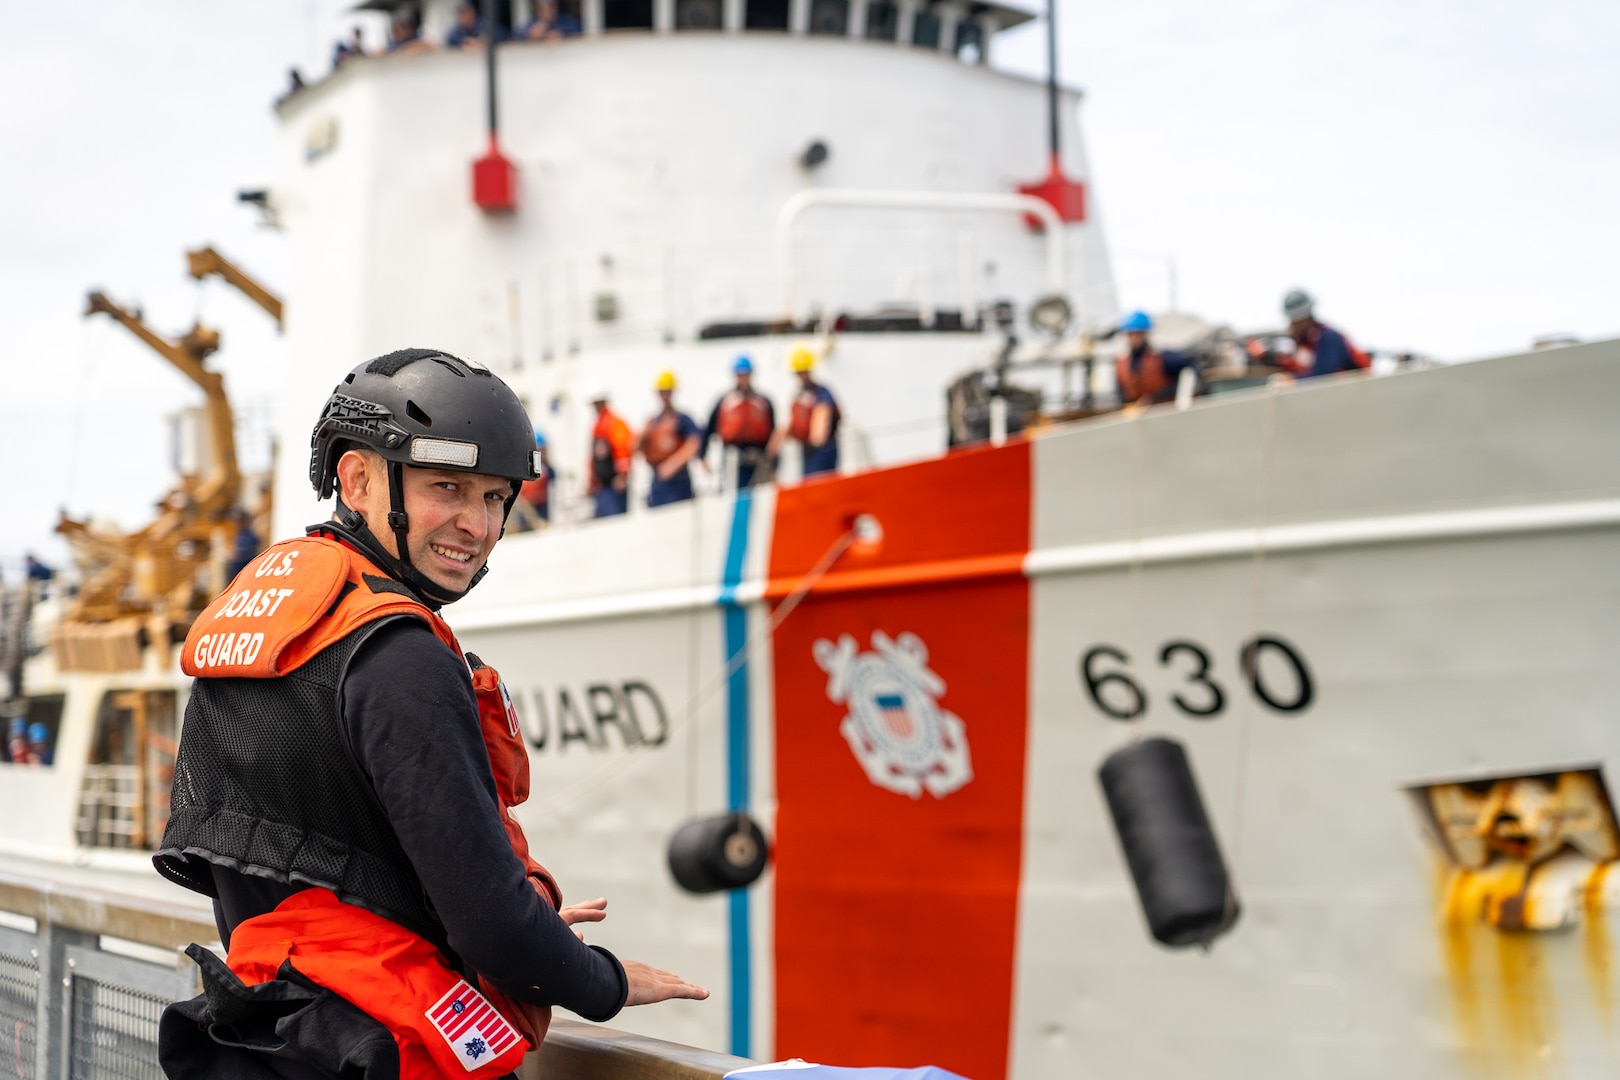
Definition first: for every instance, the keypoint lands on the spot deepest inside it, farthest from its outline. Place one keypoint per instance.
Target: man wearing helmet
(812, 420)
(668, 443)
(1147, 375)
(1318, 348)
(345, 776)
(744, 420)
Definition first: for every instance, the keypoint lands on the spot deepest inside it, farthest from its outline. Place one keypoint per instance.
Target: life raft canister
(745, 420)
(1170, 846)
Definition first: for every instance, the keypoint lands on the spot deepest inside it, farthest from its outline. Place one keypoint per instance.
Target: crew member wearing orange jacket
(668, 444)
(812, 419)
(612, 446)
(744, 420)
(345, 775)
(1147, 375)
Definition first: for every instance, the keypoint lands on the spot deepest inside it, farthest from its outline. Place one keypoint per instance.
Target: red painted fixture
(495, 181)
(1067, 197)
(494, 178)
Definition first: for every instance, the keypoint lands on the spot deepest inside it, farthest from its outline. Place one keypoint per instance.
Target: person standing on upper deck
(612, 446)
(1146, 375)
(1318, 349)
(469, 28)
(551, 24)
(813, 419)
(668, 443)
(745, 420)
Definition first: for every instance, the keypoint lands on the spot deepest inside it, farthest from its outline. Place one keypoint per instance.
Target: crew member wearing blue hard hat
(1147, 375)
(1318, 349)
(745, 421)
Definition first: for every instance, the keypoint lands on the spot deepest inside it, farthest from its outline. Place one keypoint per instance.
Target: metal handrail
(72, 918)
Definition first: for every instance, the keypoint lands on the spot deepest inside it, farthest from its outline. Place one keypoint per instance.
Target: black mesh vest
(265, 783)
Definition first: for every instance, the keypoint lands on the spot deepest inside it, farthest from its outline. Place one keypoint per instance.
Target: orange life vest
(611, 449)
(285, 607)
(744, 420)
(804, 408)
(536, 491)
(1147, 381)
(662, 438)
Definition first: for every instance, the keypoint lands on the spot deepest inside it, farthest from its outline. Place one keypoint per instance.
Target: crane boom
(206, 260)
(218, 491)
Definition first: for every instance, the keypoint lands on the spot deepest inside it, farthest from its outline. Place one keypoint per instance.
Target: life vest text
(227, 650)
(275, 564)
(252, 603)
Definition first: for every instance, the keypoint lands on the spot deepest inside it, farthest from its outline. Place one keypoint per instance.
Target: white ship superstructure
(658, 178)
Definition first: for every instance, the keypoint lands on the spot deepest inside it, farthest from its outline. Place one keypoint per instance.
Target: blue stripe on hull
(735, 620)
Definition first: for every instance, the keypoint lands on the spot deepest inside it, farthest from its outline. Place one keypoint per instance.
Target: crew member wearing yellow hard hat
(668, 443)
(813, 419)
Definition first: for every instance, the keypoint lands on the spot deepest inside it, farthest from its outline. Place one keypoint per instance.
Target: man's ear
(354, 473)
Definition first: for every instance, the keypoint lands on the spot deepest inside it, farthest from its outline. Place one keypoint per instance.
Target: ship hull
(1333, 595)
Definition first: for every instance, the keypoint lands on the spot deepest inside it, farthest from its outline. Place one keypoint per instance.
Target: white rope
(570, 793)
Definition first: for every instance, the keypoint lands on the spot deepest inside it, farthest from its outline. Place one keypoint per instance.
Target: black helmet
(426, 408)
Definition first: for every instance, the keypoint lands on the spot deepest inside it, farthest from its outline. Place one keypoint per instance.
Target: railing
(85, 974)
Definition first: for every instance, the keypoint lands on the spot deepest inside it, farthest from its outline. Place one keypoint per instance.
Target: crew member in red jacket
(744, 420)
(812, 419)
(1147, 375)
(612, 446)
(345, 776)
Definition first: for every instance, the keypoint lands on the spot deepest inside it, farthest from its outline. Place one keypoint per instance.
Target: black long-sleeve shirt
(412, 721)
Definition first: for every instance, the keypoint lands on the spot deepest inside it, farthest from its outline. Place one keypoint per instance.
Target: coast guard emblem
(898, 732)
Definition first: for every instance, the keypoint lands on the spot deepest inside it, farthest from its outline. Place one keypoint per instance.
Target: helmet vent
(445, 362)
(415, 413)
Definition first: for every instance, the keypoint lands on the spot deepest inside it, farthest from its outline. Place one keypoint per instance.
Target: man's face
(666, 396)
(745, 379)
(455, 517)
(466, 15)
(1137, 338)
(1299, 324)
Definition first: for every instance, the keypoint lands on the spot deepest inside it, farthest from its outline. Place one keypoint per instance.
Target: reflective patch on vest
(511, 710)
(474, 1030)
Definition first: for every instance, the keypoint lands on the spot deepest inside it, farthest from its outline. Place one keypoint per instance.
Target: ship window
(767, 15)
(31, 738)
(697, 15)
(627, 14)
(830, 17)
(882, 19)
(925, 30)
(969, 40)
(124, 802)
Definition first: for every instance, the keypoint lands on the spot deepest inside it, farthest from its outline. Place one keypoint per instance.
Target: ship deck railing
(85, 974)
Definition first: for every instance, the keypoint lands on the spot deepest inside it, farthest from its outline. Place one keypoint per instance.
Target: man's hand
(649, 985)
(589, 911)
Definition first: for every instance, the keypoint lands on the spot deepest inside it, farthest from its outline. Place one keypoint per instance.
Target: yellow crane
(146, 586)
(206, 260)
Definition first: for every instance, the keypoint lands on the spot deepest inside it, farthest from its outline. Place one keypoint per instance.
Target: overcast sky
(1442, 174)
